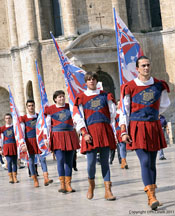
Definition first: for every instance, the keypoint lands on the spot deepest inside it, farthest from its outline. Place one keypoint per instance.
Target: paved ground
(24, 200)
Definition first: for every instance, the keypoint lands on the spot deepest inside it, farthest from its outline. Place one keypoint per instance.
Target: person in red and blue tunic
(63, 139)
(97, 111)
(9, 147)
(145, 98)
(28, 123)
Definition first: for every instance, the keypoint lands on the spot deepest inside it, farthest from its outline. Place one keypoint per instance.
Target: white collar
(31, 116)
(7, 125)
(59, 105)
(89, 92)
(141, 83)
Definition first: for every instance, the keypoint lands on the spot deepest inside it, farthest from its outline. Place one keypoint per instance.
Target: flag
(19, 136)
(74, 77)
(41, 127)
(129, 50)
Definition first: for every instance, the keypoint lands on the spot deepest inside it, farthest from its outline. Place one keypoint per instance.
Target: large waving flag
(128, 51)
(73, 75)
(19, 136)
(41, 127)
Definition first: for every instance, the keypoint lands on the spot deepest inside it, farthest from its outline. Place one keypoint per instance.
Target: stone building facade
(85, 30)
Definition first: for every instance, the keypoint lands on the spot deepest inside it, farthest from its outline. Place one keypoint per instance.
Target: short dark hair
(141, 57)
(89, 75)
(57, 93)
(8, 114)
(30, 101)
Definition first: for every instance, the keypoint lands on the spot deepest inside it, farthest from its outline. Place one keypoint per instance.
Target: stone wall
(4, 104)
(87, 13)
(4, 38)
(5, 80)
(52, 72)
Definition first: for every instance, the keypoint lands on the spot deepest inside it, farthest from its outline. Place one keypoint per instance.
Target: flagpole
(42, 106)
(21, 135)
(118, 49)
(63, 69)
(40, 92)
(118, 55)
(39, 84)
(61, 61)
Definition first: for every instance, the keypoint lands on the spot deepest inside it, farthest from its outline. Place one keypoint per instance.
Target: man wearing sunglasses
(144, 98)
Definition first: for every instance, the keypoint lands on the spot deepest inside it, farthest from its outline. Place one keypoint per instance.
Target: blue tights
(12, 163)
(64, 162)
(104, 160)
(122, 149)
(148, 166)
(32, 163)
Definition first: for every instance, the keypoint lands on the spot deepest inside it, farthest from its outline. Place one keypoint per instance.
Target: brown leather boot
(36, 183)
(15, 177)
(108, 193)
(62, 184)
(124, 164)
(152, 201)
(68, 184)
(155, 186)
(90, 192)
(47, 181)
(10, 178)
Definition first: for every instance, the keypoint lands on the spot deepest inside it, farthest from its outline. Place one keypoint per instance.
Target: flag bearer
(29, 126)
(144, 98)
(63, 139)
(9, 148)
(98, 110)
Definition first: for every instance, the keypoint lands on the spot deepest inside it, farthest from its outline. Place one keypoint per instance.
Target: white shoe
(3, 165)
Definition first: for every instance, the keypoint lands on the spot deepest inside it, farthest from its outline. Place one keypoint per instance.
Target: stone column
(120, 8)
(28, 39)
(34, 54)
(69, 20)
(167, 8)
(16, 61)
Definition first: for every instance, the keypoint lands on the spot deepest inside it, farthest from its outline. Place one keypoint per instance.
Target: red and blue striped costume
(30, 134)
(9, 142)
(63, 136)
(97, 120)
(145, 127)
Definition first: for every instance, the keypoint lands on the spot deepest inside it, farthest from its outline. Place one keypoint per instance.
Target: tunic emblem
(33, 123)
(9, 132)
(96, 104)
(148, 96)
(62, 115)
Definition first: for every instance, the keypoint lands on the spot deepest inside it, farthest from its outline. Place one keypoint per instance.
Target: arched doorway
(29, 90)
(107, 81)
(4, 104)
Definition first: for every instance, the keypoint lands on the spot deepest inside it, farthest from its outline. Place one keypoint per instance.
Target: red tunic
(9, 142)
(63, 136)
(97, 119)
(145, 127)
(30, 134)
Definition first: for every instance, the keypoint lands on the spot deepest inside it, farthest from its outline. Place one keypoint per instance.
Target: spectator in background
(164, 128)
(122, 145)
